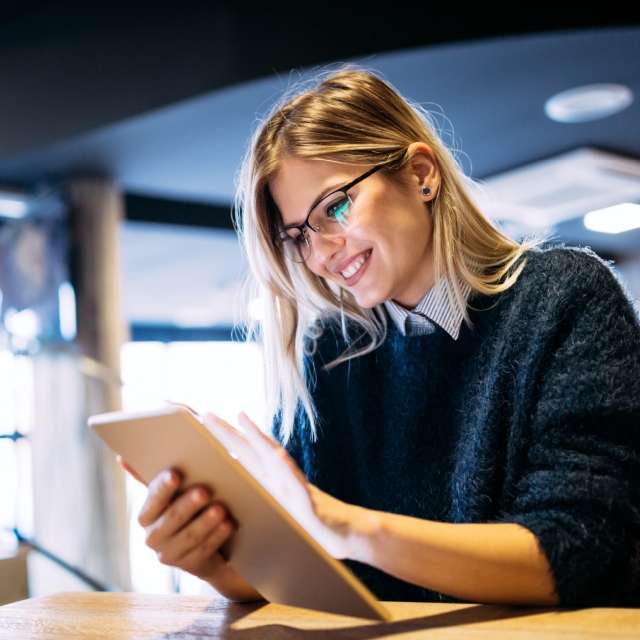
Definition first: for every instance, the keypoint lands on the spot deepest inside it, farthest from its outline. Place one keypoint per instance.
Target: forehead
(299, 182)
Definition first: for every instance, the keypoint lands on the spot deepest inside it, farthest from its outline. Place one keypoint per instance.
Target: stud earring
(426, 191)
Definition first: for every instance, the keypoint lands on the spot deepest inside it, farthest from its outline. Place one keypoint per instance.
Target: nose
(323, 248)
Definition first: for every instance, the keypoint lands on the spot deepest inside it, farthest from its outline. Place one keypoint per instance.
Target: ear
(422, 168)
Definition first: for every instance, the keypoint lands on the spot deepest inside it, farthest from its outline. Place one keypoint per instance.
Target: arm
(477, 562)
(578, 489)
(566, 535)
(492, 563)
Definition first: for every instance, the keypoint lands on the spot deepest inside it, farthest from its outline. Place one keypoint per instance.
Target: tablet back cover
(269, 548)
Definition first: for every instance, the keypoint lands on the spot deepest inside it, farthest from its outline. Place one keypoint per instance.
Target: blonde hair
(354, 116)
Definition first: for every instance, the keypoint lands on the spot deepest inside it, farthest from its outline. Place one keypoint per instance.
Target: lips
(346, 263)
(354, 278)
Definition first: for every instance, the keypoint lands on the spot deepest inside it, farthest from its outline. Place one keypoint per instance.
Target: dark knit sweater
(532, 417)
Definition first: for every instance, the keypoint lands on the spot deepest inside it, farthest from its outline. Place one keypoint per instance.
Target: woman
(458, 412)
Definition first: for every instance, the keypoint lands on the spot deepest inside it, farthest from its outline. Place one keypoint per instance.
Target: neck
(421, 283)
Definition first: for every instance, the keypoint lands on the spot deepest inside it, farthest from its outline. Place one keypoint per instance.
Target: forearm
(496, 563)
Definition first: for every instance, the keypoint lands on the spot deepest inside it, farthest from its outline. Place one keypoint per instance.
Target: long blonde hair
(349, 115)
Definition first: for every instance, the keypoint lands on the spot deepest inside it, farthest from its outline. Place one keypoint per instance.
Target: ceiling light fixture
(589, 102)
(617, 219)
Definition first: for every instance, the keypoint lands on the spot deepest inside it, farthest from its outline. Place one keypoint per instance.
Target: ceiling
(165, 100)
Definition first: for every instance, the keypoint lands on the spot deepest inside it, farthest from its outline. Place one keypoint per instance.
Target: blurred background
(120, 135)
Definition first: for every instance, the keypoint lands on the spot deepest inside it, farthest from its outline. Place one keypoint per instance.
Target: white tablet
(270, 549)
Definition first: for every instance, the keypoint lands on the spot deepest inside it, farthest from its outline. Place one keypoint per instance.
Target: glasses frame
(280, 238)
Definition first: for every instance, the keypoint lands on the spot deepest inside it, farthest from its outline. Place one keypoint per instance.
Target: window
(16, 416)
(222, 377)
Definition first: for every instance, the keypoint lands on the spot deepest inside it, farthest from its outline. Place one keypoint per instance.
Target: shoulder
(558, 287)
(559, 271)
(558, 261)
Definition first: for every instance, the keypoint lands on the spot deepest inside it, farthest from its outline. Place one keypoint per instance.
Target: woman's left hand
(326, 518)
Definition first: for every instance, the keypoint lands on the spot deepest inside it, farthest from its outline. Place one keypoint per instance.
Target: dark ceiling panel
(167, 211)
(68, 68)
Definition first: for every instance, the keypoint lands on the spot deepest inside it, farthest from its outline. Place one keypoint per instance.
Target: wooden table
(130, 615)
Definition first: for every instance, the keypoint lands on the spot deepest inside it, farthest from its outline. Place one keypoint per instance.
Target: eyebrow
(328, 191)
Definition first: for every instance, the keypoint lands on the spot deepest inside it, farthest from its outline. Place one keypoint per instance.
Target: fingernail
(167, 477)
(215, 511)
(198, 495)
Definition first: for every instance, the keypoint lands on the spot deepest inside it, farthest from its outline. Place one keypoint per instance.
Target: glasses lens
(295, 245)
(330, 215)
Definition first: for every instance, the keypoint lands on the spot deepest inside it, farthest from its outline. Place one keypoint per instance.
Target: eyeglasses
(329, 214)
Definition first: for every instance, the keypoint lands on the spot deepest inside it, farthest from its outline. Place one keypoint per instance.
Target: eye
(339, 208)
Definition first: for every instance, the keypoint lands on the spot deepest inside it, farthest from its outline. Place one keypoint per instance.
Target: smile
(354, 271)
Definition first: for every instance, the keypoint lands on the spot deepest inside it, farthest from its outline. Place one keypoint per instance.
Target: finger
(254, 429)
(268, 446)
(192, 535)
(161, 490)
(176, 516)
(225, 432)
(250, 427)
(235, 442)
(263, 443)
(194, 560)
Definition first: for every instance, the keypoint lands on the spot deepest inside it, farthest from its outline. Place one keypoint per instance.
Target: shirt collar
(435, 306)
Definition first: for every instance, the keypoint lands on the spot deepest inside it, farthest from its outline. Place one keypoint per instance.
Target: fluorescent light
(589, 102)
(616, 219)
(67, 311)
(12, 206)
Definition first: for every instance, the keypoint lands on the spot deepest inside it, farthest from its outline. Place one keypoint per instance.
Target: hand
(326, 519)
(185, 531)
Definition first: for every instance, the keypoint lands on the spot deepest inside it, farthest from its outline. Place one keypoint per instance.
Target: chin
(367, 301)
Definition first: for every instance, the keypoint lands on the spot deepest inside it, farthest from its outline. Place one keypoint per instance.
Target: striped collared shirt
(433, 308)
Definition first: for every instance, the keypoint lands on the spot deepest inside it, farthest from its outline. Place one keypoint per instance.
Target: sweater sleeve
(579, 490)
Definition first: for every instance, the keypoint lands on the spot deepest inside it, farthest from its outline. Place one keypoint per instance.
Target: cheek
(371, 229)
(316, 270)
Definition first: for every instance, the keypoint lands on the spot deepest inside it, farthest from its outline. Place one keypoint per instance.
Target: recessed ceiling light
(589, 102)
(621, 217)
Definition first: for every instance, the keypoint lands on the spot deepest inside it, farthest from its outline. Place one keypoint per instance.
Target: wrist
(364, 529)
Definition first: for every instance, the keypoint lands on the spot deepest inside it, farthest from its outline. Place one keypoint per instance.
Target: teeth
(354, 266)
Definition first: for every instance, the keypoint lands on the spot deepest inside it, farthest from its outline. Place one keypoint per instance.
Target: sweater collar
(434, 306)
